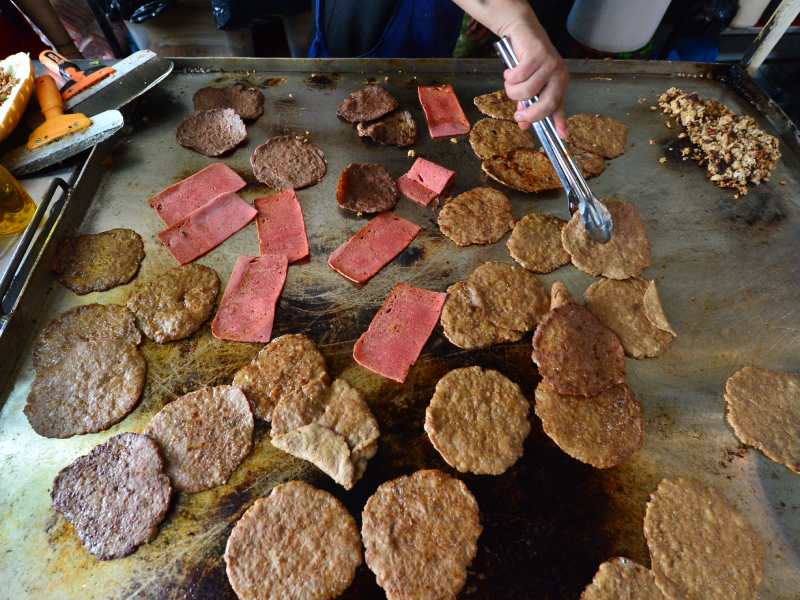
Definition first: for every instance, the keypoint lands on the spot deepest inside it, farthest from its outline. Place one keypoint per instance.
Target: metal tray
(727, 271)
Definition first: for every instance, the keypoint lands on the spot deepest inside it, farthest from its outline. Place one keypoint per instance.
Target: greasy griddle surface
(728, 276)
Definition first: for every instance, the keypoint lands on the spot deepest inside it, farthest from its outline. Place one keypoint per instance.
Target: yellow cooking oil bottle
(16, 206)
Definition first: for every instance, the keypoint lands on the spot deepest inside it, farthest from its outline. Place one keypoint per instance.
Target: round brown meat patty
(623, 579)
(298, 543)
(83, 323)
(174, 305)
(204, 435)
(496, 105)
(576, 354)
(535, 243)
(212, 132)
(467, 326)
(366, 188)
(100, 261)
(367, 104)
(597, 134)
(286, 162)
(396, 129)
(115, 496)
(96, 383)
(493, 137)
(248, 102)
(481, 215)
(420, 533)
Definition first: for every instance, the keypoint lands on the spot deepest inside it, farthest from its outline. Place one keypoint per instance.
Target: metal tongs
(596, 218)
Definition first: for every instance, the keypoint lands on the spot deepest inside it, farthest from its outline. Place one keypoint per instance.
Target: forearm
(501, 16)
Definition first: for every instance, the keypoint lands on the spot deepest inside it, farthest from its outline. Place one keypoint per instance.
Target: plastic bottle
(615, 25)
(16, 206)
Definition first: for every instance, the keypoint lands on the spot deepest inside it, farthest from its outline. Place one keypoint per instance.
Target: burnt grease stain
(319, 81)
(410, 256)
(759, 207)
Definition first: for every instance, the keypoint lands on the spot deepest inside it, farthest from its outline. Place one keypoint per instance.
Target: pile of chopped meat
(7, 83)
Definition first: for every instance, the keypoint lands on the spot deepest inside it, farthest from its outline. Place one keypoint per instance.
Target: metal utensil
(596, 218)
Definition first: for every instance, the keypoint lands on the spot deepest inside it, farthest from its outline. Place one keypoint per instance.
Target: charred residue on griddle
(273, 81)
(759, 207)
(410, 256)
(320, 81)
(678, 151)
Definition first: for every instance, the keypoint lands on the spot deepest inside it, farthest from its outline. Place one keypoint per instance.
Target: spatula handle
(49, 97)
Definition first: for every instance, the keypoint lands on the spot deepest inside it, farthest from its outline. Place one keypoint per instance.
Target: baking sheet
(727, 271)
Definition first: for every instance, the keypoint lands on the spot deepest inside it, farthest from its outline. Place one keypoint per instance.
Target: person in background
(430, 28)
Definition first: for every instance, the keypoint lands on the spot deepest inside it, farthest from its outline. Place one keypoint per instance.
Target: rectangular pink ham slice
(424, 181)
(373, 247)
(280, 224)
(207, 227)
(247, 310)
(179, 199)
(442, 111)
(398, 331)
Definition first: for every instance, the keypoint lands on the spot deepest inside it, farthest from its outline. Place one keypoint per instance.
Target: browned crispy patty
(496, 105)
(623, 579)
(298, 543)
(467, 326)
(396, 129)
(115, 496)
(94, 385)
(530, 170)
(99, 261)
(289, 366)
(535, 243)
(367, 104)
(204, 435)
(509, 296)
(481, 215)
(701, 547)
(212, 132)
(174, 305)
(602, 430)
(420, 533)
(366, 188)
(287, 162)
(248, 102)
(477, 420)
(598, 134)
(494, 137)
(576, 354)
(83, 323)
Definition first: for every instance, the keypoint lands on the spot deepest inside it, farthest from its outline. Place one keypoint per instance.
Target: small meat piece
(495, 137)
(442, 110)
(94, 386)
(316, 560)
(322, 448)
(100, 261)
(481, 215)
(174, 305)
(212, 132)
(287, 162)
(248, 102)
(623, 579)
(496, 105)
(83, 323)
(509, 296)
(290, 365)
(205, 435)
(247, 310)
(367, 104)
(529, 170)
(366, 188)
(621, 306)
(424, 181)
(373, 247)
(701, 547)
(602, 430)
(467, 326)
(115, 496)
(420, 534)
(625, 255)
(478, 421)
(576, 354)
(559, 295)
(597, 134)
(396, 129)
(178, 200)
(281, 227)
(535, 243)
(398, 331)
(764, 411)
(204, 229)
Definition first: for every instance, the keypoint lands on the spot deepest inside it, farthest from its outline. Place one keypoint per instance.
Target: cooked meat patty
(366, 188)
(396, 129)
(367, 104)
(100, 261)
(496, 105)
(287, 162)
(115, 496)
(212, 132)
(598, 134)
(481, 215)
(467, 326)
(535, 243)
(530, 170)
(623, 579)
(496, 137)
(248, 102)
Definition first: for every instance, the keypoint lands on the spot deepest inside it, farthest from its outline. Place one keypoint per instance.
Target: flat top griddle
(727, 270)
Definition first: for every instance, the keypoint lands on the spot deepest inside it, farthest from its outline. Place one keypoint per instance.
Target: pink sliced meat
(373, 247)
(247, 310)
(281, 228)
(179, 199)
(442, 111)
(398, 332)
(207, 227)
(424, 181)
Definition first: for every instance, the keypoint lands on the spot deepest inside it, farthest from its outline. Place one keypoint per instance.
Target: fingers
(560, 120)
(534, 83)
(551, 102)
